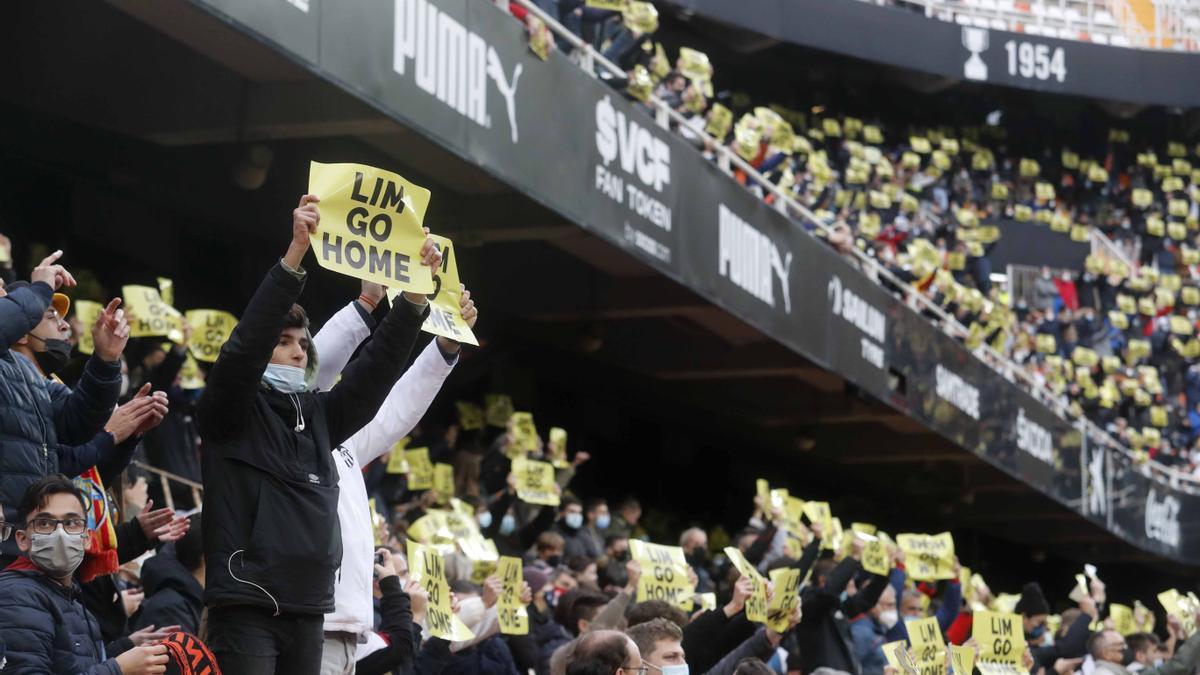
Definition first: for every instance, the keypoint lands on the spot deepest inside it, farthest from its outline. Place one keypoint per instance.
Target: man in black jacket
(824, 631)
(272, 541)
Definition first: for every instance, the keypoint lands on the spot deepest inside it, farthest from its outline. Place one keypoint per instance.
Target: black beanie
(1033, 601)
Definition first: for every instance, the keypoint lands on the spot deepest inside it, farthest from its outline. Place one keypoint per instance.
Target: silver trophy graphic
(976, 42)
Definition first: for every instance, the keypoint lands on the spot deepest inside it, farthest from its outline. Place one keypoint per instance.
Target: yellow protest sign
(446, 529)
(1122, 616)
(149, 315)
(664, 574)
(784, 598)
(166, 290)
(875, 558)
(535, 482)
(189, 374)
(371, 225)
(720, 119)
(445, 315)
(557, 448)
(1001, 640)
(210, 329)
(420, 469)
(514, 618)
(470, 416)
(427, 567)
(397, 461)
(928, 557)
(87, 312)
(707, 601)
(525, 435)
(756, 604)
(443, 482)
(819, 512)
(614, 5)
(499, 408)
(377, 522)
(481, 552)
(963, 659)
(898, 657)
(929, 649)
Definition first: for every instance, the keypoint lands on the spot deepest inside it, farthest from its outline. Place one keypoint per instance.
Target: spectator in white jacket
(353, 618)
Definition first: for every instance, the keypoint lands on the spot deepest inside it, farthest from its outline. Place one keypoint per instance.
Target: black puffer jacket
(44, 425)
(46, 627)
(271, 535)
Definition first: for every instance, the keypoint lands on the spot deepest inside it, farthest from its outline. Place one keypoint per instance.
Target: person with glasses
(606, 652)
(1108, 648)
(43, 621)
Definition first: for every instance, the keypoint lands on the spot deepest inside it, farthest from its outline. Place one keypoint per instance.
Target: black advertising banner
(891, 35)
(289, 24)
(459, 72)
(1151, 513)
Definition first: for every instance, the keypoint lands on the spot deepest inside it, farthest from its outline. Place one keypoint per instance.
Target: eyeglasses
(48, 525)
(635, 671)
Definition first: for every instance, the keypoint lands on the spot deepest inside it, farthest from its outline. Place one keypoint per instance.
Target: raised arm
(81, 412)
(343, 333)
(365, 384)
(231, 384)
(404, 406)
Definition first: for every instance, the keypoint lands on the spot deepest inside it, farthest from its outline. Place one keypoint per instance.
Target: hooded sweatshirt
(271, 534)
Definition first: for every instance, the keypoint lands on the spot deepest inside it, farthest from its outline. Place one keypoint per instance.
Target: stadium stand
(916, 209)
(1120, 23)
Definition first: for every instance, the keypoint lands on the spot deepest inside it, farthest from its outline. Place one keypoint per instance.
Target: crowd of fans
(295, 559)
(1114, 342)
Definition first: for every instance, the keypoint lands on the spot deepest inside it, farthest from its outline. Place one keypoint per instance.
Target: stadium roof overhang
(898, 37)
(150, 109)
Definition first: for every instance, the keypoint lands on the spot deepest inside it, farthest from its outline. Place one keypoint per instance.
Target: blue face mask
(485, 519)
(573, 520)
(508, 524)
(675, 670)
(603, 521)
(285, 379)
(1037, 632)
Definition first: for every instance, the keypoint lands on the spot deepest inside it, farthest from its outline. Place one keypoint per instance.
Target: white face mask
(285, 379)
(889, 618)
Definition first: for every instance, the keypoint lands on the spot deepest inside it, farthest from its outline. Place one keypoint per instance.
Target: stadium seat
(1119, 40)
(981, 21)
(999, 24)
(1103, 18)
(962, 19)
(1100, 38)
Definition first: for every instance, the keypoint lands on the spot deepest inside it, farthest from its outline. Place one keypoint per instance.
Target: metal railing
(165, 479)
(726, 158)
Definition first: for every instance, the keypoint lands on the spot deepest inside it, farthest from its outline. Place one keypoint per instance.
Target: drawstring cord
(295, 399)
(235, 578)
